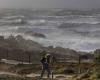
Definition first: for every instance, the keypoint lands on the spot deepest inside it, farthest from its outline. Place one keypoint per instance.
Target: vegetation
(69, 62)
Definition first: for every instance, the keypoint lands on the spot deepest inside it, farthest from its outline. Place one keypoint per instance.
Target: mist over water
(79, 32)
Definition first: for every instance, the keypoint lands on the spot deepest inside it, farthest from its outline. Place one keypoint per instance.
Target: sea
(74, 29)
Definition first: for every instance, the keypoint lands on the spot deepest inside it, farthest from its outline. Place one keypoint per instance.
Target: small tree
(97, 56)
(97, 62)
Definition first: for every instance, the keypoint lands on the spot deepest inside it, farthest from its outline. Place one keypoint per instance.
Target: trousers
(45, 67)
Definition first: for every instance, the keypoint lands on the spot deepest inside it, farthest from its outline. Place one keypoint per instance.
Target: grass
(59, 68)
(6, 77)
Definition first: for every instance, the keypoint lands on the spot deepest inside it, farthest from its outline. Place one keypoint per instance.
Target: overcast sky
(49, 3)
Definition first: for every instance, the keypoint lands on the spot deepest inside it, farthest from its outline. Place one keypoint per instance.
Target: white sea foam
(84, 20)
(79, 37)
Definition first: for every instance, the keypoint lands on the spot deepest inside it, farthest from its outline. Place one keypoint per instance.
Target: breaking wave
(81, 33)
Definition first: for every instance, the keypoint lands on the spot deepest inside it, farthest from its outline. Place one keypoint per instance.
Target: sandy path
(8, 73)
(58, 76)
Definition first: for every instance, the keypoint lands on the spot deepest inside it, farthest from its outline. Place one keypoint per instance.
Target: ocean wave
(13, 17)
(13, 20)
(40, 22)
(80, 30)
(77, 43)
(84, 20)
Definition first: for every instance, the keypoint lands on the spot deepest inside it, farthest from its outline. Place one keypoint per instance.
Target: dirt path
(8, 73)
(58, 76)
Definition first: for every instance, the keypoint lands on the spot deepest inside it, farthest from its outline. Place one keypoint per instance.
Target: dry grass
(59, 68)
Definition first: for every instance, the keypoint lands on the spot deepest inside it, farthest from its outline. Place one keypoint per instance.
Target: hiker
(45, 65)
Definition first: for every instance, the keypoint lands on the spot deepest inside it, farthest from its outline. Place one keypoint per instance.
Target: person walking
(45, 65)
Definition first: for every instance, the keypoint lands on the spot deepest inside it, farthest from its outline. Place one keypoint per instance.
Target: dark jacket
(45, 60)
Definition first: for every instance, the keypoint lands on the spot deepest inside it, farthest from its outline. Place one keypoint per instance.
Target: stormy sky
(80, 4)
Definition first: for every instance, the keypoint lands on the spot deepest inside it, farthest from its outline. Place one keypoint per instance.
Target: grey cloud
(50, 3)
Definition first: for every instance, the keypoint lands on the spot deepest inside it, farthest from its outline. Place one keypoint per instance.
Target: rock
(35, 34)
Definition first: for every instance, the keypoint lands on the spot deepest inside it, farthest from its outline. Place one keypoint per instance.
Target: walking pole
(53, 60)
(52, 72)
